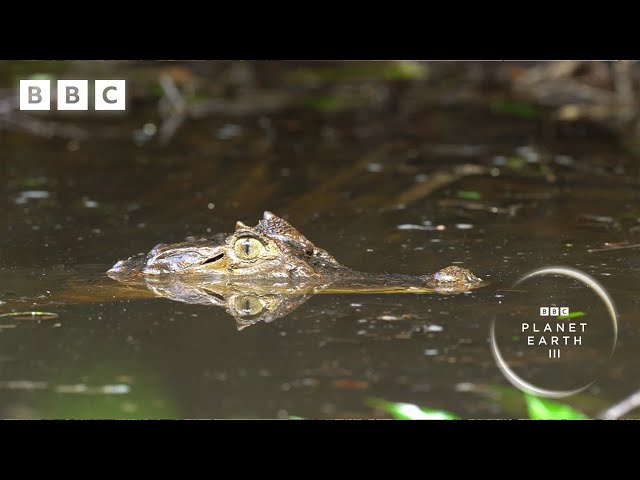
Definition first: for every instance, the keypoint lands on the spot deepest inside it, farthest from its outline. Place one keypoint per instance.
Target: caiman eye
(248, 248)
(248, 305)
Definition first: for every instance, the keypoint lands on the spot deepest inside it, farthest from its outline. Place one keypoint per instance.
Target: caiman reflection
(264, 272)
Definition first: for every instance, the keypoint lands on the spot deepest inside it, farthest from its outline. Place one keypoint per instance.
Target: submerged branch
(621, 408)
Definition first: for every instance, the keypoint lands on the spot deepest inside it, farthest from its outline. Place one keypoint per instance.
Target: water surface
(349, 179)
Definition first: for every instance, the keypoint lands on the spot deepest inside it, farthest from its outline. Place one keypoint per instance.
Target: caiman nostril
(213, 294)
(213, 259)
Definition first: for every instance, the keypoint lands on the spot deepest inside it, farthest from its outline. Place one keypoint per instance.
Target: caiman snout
(455, 278)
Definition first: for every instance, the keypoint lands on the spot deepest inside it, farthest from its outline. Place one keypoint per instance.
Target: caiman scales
(274, 253)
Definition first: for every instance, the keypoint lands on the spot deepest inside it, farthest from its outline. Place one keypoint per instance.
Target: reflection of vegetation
(15, 71)
(409, 411)
(359, 72)
(516, 163)
(139, 396)
(543, 409)
(537, 408)
(516, 109)
(334, 103)
(30, 315)
(468, 195)
(139, 404)
(571, 315)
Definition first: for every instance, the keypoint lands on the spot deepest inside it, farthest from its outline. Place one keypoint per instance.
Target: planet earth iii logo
(556, 334)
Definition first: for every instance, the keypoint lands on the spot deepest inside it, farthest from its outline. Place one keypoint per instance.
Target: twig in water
(173, 108)
(31, 315)
(169, 127)
(622, 408)
(172, 94)
(437, 180)
(606, 249)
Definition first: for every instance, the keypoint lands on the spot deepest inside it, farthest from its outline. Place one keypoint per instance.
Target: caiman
(264, 272)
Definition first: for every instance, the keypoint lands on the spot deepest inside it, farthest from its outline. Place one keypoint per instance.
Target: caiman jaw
(201, 260)
(180, 259)
(217, 262)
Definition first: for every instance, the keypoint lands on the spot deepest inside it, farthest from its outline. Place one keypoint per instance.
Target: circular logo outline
(516, 380)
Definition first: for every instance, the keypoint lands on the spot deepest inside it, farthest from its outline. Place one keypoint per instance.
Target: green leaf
(514, 403)
(543, 409)
(41, 76)
(409, 411)
(359, 72)
(516, 109)
(571, 315)
(468, 195)
(516, 163)
(405, 70)
(328, 103)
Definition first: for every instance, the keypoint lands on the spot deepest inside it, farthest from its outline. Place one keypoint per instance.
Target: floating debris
(434, 328)
(30, 315)
(597, 221)
(468, 195)
(80, 388)
(229, 131)
(149, 129)
(466, 387)
(427, 227)
(374, 167)
(613, 246)
(350, 384)
(529, 153)
(564, 160)
(117, 389)
(23, 385)
(27, 195)
(438, 180)
(411, 226)
(409, 411)
(430, 352)
(477, 206)
(516, 109)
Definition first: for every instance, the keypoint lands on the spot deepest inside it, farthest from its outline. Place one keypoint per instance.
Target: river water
(382, 182)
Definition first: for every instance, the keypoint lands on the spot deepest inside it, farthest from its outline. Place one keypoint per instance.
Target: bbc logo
(72, 94)
(553, 311)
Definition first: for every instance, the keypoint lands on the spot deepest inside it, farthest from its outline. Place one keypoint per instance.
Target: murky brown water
(72, 207)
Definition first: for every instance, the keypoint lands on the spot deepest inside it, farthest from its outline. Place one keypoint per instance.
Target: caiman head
(273, 250)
